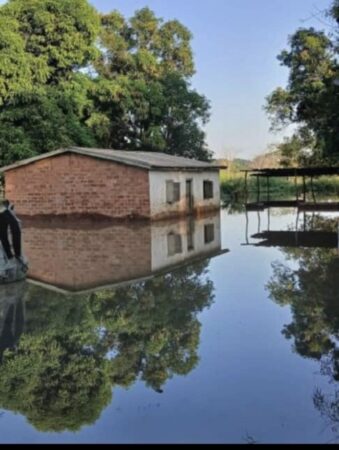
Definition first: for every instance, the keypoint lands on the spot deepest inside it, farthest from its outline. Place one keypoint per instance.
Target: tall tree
(58, 35)
(143, 98)
(43, 44)
(311, 99)
(69, 76)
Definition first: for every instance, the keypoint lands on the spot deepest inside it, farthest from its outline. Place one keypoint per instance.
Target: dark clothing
(9, 222)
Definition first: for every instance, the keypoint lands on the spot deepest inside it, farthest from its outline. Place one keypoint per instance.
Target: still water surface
(156, 334)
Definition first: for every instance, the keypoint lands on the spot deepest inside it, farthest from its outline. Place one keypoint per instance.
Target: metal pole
(246, 189)
(304, 188)
(258, 189)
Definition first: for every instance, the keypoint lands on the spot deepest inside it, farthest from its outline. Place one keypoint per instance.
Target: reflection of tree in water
(75, 350)
(312, 291)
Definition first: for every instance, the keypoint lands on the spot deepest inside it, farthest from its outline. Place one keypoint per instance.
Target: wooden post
(296, 228)
(312, 187)
(296, 187)
(259, 222)
(268, 188)
(258, 189)
(304, 188)
(246, 214)
(246, 189)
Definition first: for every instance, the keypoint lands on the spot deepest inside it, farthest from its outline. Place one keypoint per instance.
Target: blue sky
(235, 44)
(235, 47)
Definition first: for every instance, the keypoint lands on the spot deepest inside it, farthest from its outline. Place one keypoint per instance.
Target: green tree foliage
(312, 292)
(17, 73)
(144, 45)
(311, 98)
(156, 329)
(158, 115)
(58, 35)
(39, 123)
(143, 98)
(69, 76)
(55, 381)
(61, 373)
(43, 44)
(311, 289)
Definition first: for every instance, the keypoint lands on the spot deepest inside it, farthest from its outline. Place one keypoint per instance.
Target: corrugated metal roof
(145, 160)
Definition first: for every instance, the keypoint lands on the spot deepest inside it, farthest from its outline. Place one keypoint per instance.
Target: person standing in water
(13, 262)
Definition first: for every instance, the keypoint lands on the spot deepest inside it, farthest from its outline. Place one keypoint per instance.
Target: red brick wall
(77, 184)
(76, 258)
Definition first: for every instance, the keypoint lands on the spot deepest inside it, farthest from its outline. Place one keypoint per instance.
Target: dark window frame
(209, 233)
(208, 188)
(173, 192)
(174, 244)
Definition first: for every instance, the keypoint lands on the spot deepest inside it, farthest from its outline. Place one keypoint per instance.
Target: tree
(143, 99)
(59, 36)
(311, 99)
(39, 123)
(144, 46)
(69, 76)
(43, 97)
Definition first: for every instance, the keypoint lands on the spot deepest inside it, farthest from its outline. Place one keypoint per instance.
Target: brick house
(118, 184)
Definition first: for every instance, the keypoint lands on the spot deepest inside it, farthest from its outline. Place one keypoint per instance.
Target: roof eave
(188, 169)
(116, 159)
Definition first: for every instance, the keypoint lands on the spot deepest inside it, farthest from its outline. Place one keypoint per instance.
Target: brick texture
(74, 257)
(77, 184)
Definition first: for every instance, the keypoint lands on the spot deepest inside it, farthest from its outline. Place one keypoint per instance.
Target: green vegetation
(73, 352)
(233, 186)
(70, 76)
(311, 99)
(311, 289)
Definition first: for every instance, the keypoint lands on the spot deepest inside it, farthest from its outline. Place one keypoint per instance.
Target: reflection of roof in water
(309, 239)
(76, 256)
(326, 206)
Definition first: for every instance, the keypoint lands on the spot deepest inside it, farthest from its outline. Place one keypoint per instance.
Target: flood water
(219, 330)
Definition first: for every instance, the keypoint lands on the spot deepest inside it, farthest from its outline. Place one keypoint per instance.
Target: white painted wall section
(158, 200)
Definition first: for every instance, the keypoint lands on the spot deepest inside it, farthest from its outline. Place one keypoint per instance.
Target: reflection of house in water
(77, 256)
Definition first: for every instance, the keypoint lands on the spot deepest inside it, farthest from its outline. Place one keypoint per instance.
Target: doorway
(189, 195)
